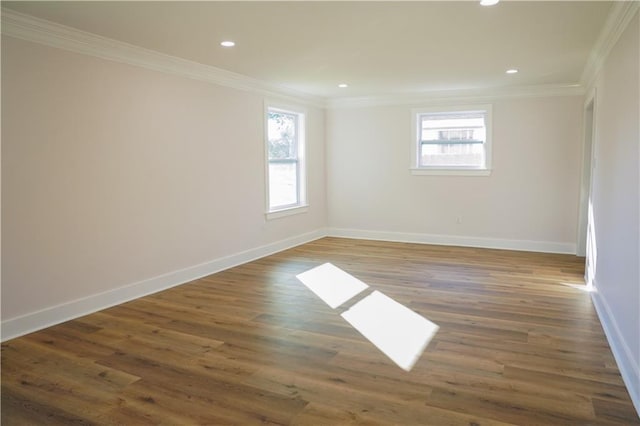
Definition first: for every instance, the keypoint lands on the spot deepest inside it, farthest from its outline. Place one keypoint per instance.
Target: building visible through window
(452, 140)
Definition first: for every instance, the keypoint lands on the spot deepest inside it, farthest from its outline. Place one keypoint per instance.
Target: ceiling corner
(621, 14)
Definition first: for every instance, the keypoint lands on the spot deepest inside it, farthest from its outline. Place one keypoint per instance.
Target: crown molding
(29, 28)
(460, 96)
(621, 14)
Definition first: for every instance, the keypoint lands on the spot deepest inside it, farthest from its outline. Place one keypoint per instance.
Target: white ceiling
(378, 48)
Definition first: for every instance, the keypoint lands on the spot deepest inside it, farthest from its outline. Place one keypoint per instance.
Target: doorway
(585, 214)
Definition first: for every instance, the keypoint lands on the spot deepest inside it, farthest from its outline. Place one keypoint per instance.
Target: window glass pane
(283, 183)
(452, 139)
(470, 155)
(283, 158)
(282, 135)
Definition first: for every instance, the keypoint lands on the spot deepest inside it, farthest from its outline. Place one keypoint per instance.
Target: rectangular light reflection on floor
(396, 330)
(331, 284)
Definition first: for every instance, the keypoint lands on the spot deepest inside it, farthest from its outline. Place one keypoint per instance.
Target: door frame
(588, 166)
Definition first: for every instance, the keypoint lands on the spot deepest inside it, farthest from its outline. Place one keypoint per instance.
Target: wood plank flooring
(519, 343)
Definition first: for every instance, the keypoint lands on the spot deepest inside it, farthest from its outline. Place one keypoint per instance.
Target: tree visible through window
(284, 146)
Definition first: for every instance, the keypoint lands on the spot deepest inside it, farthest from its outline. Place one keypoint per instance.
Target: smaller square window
(452, 140)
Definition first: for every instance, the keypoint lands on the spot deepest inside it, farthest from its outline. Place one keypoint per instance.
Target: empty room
(320, 213)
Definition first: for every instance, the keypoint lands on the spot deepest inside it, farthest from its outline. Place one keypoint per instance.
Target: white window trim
(427, 171)
(290, 211)
(418, 170)
(302, 205)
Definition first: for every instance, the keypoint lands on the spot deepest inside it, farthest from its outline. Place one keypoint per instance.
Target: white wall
(615, 198)
(113, 175)
(528, 202)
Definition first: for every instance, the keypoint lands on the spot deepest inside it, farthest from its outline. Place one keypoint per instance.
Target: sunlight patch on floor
(331, 284)
(581, 287)
(396, 330)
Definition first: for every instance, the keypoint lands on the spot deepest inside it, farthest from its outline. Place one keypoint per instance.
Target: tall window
(285, 158)
(456, 140)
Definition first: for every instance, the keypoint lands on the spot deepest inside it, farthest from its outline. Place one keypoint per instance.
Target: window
(286, 184)
(452, 140)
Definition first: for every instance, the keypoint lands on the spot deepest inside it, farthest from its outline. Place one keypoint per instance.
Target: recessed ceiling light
(512, 71)
(343, 85)
(488, 2)
(227, 43)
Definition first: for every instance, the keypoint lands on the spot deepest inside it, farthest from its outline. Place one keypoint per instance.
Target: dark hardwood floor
(519, 343)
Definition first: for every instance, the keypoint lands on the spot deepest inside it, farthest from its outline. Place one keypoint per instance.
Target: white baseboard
(19, 326)
(629, 368)
(15, 327)
(455, 240)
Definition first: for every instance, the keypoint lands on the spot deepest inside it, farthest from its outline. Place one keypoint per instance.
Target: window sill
(450, 172)
(276, 214)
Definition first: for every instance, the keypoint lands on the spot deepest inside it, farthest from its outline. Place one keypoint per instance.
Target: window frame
(417, 169)
(301, 205)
